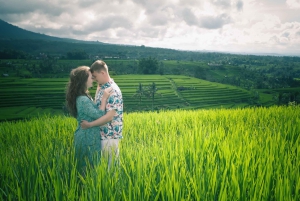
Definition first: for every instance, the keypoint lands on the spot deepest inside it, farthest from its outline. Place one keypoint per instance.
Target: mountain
(13, 38)
(11, 32)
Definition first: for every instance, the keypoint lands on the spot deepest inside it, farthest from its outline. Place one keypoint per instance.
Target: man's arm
(99, 122)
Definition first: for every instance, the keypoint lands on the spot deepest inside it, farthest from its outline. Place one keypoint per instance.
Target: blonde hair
(98, 66)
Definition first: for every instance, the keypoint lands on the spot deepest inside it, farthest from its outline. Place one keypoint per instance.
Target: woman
(81, 106)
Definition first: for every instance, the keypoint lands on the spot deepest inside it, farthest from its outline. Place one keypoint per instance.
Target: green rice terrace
(243, 154)
(23, 98)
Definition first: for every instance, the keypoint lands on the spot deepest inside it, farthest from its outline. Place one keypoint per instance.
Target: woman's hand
(97, 90)
(107, 92)
(85, 124)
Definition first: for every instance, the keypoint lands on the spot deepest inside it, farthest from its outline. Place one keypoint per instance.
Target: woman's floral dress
(87, 141)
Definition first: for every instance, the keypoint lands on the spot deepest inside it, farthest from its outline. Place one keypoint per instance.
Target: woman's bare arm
(107, 92)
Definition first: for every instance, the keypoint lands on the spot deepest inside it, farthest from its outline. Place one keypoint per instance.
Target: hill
(11, 32)
(15, 38)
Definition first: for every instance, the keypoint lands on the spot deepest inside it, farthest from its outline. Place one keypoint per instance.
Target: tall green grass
(222, 154)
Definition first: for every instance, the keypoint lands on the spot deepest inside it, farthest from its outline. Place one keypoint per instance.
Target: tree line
(250, 71)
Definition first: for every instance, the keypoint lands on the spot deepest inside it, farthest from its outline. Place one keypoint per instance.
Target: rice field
(47, 95)
(218, 154)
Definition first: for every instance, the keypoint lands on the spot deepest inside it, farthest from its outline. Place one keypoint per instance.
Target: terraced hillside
(175, 91)
(166, 96)
(29, 97)
(204, 94)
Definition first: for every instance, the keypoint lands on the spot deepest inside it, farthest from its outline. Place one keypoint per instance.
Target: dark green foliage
(148, 65)
(12, 54)
(77, 54)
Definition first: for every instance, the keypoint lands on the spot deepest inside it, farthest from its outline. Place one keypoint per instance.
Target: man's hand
(85, 124)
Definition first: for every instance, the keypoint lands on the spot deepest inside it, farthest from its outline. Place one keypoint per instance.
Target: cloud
(109, 22)
(205, 21)
(189, 17)
(181, 24)
(153, 5)
(10, 7)
(239, 5)
(221, 3)
(161, 17)
(215, 22)
(268, 35)
(293, 4)
(42, 6)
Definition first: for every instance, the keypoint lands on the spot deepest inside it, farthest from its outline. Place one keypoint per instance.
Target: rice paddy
(26, 98)
(217, 154)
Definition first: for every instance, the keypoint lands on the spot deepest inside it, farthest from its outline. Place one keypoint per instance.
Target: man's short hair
(98, 66)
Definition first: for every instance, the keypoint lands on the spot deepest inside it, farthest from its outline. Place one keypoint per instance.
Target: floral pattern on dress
(113, 129)
(87, 142)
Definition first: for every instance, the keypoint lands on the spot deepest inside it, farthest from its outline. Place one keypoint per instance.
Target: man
(111, 124)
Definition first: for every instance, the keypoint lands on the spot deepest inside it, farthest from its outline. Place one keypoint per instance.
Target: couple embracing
(100, 122)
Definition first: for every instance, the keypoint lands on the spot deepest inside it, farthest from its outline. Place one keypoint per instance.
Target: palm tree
(151, 91)
(139, 93)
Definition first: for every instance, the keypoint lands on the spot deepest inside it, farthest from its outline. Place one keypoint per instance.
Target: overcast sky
(244, 26)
